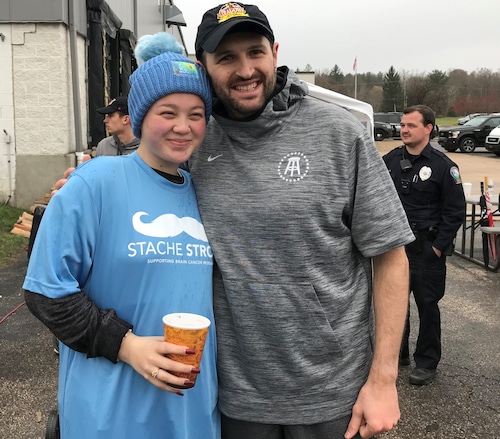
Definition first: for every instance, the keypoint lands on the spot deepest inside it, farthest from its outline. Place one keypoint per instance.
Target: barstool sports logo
(293, 167)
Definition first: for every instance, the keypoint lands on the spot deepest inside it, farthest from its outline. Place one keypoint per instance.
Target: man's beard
(240, 108)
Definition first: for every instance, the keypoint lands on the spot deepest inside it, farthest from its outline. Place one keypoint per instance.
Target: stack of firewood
(24, 223)
(42, 200)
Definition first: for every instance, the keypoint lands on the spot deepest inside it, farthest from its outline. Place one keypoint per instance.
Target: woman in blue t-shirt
(121, 245)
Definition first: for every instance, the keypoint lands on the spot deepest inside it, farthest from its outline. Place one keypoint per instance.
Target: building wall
(43, 11)
(124, 10)
(41, 90)
(149, 19)
(14, 11)
(306, 76)
(7, 138)
(36, 95)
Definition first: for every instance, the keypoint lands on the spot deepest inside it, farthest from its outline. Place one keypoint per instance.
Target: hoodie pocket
(281, 330)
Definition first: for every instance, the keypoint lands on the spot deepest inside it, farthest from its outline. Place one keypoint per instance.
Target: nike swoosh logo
(211, 159)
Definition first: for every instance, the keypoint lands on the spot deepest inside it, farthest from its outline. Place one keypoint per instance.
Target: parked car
(382, 130)
(435, 131)
(393, 118)
(492, 143)
(469, 136)
(463, 120)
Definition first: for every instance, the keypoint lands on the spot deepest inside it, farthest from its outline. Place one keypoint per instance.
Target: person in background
(106, 267)
(430, 188)
(121, 140)
(299, 208)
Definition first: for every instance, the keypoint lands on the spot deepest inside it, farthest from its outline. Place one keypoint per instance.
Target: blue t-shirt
(131, 241)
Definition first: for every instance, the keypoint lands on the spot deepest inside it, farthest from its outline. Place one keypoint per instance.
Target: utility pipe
(9, 164)
(75, 81)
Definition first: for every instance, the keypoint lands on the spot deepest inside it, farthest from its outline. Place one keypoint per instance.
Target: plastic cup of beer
(190, 330)
(467, 189)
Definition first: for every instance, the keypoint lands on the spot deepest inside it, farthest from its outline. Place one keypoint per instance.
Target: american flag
(355, 65)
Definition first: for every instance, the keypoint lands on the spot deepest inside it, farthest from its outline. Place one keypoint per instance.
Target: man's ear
(275, 54)
(200, 63)
(126, 119)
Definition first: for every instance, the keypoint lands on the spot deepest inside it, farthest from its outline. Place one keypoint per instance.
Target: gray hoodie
(294, 203)
(112, 145)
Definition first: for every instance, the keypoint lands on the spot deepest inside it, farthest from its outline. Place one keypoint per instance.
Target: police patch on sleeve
(455, 173)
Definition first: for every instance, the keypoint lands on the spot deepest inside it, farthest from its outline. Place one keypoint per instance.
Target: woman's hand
(147, 355)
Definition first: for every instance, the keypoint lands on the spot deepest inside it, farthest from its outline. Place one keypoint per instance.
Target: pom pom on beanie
(150, 46)
(163, 70)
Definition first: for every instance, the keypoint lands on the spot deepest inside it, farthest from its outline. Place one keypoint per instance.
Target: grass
(447, 121)
(11, 246)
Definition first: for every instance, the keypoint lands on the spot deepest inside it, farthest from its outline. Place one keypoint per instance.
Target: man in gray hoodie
(308, 234)
(121, 140)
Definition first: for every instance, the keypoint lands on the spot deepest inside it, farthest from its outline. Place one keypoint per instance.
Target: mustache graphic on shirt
(168, 226)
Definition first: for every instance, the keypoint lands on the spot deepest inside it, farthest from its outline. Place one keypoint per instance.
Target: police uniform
(431, 192)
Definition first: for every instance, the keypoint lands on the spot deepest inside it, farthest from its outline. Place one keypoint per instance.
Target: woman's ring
(155, 372)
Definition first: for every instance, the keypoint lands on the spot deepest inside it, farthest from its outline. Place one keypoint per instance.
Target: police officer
(430, 188)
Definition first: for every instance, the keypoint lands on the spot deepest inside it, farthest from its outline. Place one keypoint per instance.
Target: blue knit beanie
(163, 70)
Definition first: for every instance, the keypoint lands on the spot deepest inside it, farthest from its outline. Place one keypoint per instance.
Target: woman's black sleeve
(77, 322)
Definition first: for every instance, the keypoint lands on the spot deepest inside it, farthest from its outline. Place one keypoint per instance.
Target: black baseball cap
(117, 104)
(217, 22)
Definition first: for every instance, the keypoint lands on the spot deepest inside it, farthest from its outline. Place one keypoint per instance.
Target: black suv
(392, 118)
(470, 135)
(382, 130)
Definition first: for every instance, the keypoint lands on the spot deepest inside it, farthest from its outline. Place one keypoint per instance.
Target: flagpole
(355, 67)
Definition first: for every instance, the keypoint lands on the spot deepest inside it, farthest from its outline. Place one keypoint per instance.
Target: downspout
(75, 81)
(135, 19)
(9, 164)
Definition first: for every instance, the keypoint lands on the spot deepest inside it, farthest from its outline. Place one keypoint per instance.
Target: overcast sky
(416, 37)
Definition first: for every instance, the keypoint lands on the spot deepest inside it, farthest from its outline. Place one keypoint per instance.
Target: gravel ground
(28, 364)
(462, 403)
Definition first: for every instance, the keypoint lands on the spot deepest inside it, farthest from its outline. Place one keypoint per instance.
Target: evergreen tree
(437, 96)
(393, 92)
(417, 88)
(336, 79)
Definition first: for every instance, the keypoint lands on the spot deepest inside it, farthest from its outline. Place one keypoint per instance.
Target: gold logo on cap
(231, 10)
